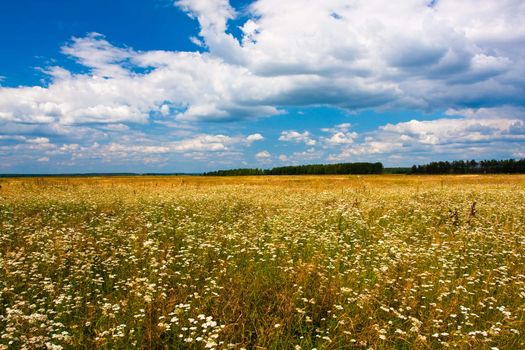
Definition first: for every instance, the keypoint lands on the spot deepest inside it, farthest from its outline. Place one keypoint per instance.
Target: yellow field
(304, 262)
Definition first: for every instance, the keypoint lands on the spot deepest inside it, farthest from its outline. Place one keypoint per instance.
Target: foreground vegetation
(333, 262)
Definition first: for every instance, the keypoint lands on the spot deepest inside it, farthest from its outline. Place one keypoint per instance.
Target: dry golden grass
(325, 262)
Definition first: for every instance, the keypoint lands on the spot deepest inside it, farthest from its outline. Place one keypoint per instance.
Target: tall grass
(329, 262)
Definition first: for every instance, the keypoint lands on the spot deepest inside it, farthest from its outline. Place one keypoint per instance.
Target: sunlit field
(326, 262)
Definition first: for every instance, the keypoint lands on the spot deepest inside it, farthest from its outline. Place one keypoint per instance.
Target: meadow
(282, 262)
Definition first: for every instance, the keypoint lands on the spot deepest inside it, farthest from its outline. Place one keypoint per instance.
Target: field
(326, 262)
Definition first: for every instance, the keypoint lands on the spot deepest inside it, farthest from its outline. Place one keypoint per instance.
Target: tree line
(505, 166)
(311, 169)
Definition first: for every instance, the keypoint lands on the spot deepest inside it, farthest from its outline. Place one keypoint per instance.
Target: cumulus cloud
(263, 156)
(197, 143)
(344, 127)
(340, 138)
(254, 137)
(458, 134)
(462, 56)
(127, 149)
(340, 135)
(445, 131)
(295, 136)
(366, 54)
(213, 16)
(38, 140)
(479, 134)
(95, 52)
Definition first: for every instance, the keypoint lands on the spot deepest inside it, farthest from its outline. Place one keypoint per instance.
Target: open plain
(283, 262)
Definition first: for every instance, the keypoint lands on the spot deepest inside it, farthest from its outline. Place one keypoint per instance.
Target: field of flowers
(327, 262)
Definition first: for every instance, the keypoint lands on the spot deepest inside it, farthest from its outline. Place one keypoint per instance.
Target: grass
(325, 262)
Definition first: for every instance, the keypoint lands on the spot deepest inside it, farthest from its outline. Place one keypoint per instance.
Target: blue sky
(197, 85)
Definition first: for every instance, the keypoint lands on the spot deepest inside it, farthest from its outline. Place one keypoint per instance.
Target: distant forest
(313, 169)
(507, 166)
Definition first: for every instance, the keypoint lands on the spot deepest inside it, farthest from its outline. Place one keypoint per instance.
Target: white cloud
(197, 143)
(295, 136)
(503, 112)
(213, 16)
(446, 131)
(462, 56)
(38, 140)
(197, 41)
(361, 55)
(340, 135)
(340, 138)
(204, 143)
(263, 155)
(254, 137)
(344, 127)
(95, 52)
(309, 155)
(480, 134)
(130, 149)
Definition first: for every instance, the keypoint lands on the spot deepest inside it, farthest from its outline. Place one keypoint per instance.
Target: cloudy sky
(197, 85)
